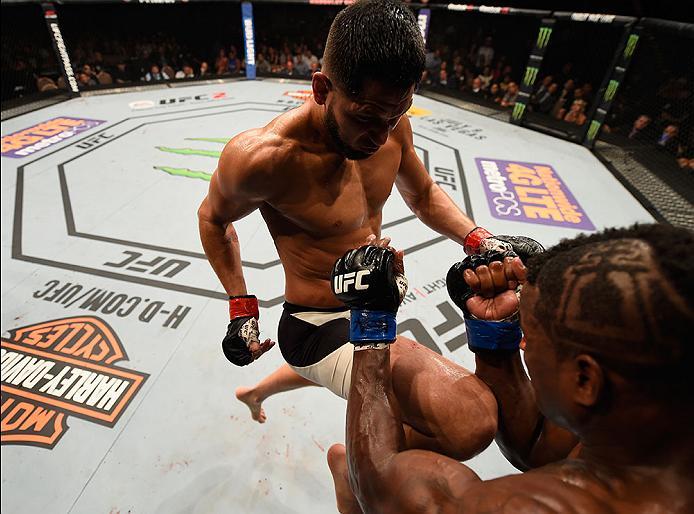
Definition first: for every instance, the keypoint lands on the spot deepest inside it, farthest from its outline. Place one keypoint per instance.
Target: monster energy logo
(518, 111)
(593, 130)
(611, 90)
(543, 37)
(631, 46)
(202, 152)
(530, 75)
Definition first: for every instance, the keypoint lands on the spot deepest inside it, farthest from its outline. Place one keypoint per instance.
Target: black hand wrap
(242, 330)
(482, 334)
(365, 281)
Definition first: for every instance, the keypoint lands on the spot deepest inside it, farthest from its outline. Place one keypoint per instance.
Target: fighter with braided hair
(603, 420)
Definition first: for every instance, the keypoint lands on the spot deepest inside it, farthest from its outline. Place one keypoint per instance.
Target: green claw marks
(187, 172)
(191, 151)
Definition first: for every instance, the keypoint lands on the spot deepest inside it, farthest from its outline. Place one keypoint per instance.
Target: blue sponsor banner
(248, 38)
(423, 18)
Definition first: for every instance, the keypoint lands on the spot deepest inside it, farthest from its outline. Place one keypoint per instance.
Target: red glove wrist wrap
(471, 244)
(240, 306)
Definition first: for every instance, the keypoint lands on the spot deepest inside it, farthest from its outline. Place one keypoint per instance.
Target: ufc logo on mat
(342, 282)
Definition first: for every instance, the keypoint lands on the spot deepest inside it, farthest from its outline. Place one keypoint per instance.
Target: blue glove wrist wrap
(367, 325)
(493, 335)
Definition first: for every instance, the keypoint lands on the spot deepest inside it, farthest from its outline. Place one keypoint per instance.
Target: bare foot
(245, 394)
(337, 461)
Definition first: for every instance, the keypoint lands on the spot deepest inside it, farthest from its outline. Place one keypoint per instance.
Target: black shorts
(306, 335)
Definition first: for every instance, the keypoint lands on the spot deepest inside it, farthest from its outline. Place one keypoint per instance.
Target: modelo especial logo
(530, 192)
(61, 368)
(42, 135)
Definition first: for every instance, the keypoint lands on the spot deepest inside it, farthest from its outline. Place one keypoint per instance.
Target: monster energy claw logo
(187, 172)
(593, 130)
(611, 90)
(530, 75)
(543, 37)
(631, 46)
(518, 111)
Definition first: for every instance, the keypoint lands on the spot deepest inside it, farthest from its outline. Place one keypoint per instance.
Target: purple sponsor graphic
(530, 192)
(42, 135)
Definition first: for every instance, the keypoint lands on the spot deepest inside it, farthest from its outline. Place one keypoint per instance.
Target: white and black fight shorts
(315, 344)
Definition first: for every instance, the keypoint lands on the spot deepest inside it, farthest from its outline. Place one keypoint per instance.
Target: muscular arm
(386, 477)
(236, 189)
(525, 437)
(423, 196)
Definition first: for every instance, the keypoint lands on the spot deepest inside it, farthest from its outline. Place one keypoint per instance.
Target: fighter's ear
(321, 85)
(589, 380)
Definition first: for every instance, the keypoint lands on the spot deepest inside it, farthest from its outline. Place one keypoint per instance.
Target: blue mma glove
(501, 335)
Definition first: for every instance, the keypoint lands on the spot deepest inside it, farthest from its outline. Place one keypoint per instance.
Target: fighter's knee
(487, 414)
(477, 429)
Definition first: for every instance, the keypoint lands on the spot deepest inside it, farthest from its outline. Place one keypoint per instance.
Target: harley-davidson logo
(61, 368)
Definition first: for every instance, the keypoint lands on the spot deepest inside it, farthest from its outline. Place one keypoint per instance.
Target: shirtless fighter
(320, 175)
(605, 421)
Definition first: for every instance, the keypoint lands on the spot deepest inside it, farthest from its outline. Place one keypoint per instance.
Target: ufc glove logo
(342, 283)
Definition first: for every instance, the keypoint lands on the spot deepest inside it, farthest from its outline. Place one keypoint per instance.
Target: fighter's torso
(321, 207)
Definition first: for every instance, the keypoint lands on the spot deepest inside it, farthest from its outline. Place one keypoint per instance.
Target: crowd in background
(663, 123)
(479, 59)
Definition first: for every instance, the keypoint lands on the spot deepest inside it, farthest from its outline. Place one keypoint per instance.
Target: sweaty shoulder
(541, 491)
(252, 162)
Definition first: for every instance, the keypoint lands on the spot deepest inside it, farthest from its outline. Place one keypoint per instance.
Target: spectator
(495, 93)
(505, 83)
(486, 77)
(167, 72)
(686, 163)
(476, 89)
(443, 77)
(233, 63)
(154, 74)
(121, 74)
(587, 89)
(642, 129)
(485, 54)
(565, 98)
(543, 102)
(221, 64)
(576, 95)
(668, 140)
(87, 69)
(544, 85)
(85, 80)
(185, 73)
(204, 69)
(302, 65)
(432, 62)
(45, 84)
(509, 99)
(576, 114)
(262, 65)
(104, 78)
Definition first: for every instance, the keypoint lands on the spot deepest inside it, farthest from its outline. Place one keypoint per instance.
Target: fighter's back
(576, 486)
